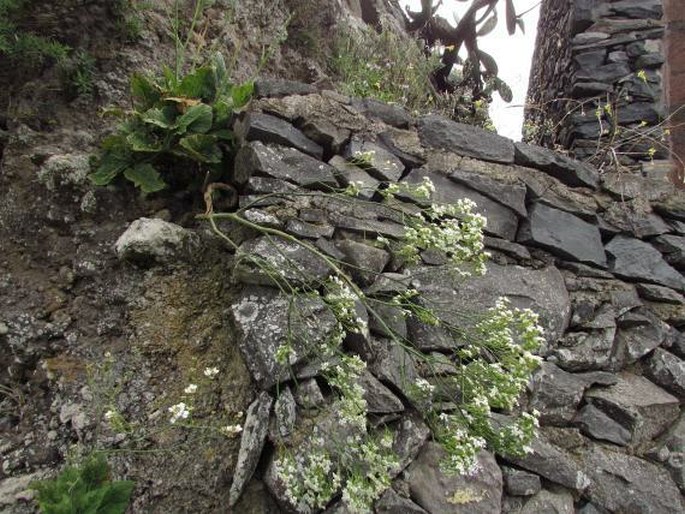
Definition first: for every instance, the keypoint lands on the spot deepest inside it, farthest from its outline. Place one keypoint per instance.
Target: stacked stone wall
(605, 277)
(597, 84)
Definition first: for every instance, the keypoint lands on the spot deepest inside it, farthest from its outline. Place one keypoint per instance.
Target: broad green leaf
(223, 111)
(161, 117)
(143, 141)
(146, 177)
(198, 84)
(202, 148)
(117, 497)
(197, 118)
(144, 91)
(219, 69)
(223, 134)
(241, 94)
(113, 162)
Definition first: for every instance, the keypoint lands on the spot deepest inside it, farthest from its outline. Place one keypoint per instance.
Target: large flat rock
(563, 234)
(636, 260)
(569, 171)
(541, 290)
(437, 492)
(622, 483)
(502, 221)
(265, 318)
(638, 405)
(442, 133)
(257, 126)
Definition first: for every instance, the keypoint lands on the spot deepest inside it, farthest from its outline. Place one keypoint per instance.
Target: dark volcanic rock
(562, 233)
(393, 503)
(264, 319)
(622, 483)
(439, 132)
(673, 248)
(390, 114)
(502, 221)
(378, 162)
(552, 463)
(270, 129)
(667, 370)
(511, 194)
(634, 259)
(571, 172)
(282, 163)
(520, 483)
(251, 444)
(479, 493)
(379, 399)
(597, 424)
(366, 262)
(638, 405)
(271, 261)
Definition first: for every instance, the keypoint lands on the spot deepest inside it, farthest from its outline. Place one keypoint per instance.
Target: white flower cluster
(351, 405)
(311, 479)
(454, 230)
(421, 191)
(354, 188)
(462, 447)
(343, 303)
(231, 430)
(178, 412)
(211, 372)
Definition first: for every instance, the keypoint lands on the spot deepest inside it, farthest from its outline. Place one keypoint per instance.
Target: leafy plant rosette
(176, 124)
(84, 489)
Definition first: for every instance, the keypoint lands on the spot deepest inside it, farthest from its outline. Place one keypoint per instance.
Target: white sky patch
(512, 53)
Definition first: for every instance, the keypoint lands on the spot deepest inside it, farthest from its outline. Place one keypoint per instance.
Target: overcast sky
(512, 53)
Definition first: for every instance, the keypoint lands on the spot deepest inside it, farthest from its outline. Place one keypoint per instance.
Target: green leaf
(197, 118)
(223, 111)
(117, 497)
(164, 117)
(143, 141)
(219, 69)
(144, 91)
(199, 84)
(202, 148)
(242, 94)
(223, 134)
(146, 177)
(115, 160)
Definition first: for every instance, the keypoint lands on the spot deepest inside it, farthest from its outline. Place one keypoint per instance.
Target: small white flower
(231, 430)
(110, 414)
(191, 389)
(178, 411)
(211, 372)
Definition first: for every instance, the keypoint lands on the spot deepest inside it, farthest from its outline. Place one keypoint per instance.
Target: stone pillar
(597, 83)
(674, 77)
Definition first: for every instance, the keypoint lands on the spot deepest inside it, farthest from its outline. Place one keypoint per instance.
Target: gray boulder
(562, 233)
(149, 240)
(558, 502)
(442, 133)
(518, 482)
(437, 492)
(636, 260)
(667, 370)
(571, 172)
(264, 319)
(283, 163)
(256, 126)
(598, 425)
(622, 483)
(251, 443)
(393, 503)
(270, 261)
(638, 405)
(379, 162)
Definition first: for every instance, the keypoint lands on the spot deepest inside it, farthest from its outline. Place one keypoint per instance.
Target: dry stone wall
(597, 84)
(606, 281)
